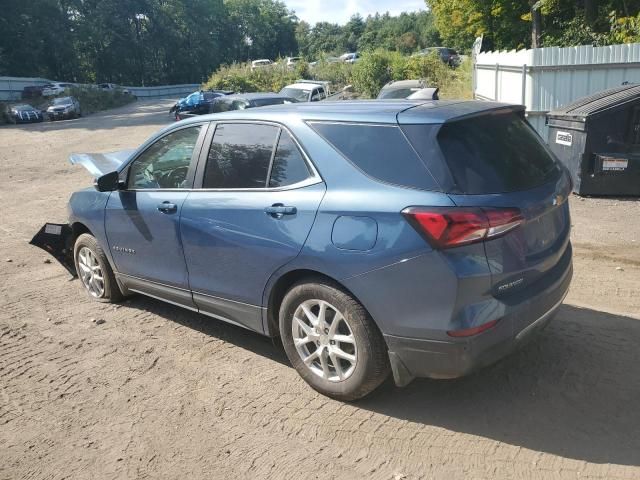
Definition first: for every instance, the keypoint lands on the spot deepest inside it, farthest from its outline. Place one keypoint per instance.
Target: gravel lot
(160, 392)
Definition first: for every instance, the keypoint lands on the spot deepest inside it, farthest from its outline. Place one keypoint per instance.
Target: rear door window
(288, 166)
(240, 155)
(495, 153)
(380, 151)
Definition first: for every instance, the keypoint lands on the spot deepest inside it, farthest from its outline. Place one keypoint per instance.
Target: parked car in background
(242, 101)
(411, 89)
(112, 87)
(307, 90)
(264, 62)
(401, 88)
(198, 103)
(417, 238)
(327, 60)
(447, 55)
(292, 61)
(52, 89)
(25, 114)
(350, 57)
(64, 108)
(428, 93)
(32, 91)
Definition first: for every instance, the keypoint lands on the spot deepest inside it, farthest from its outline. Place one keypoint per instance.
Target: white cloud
(339, 11)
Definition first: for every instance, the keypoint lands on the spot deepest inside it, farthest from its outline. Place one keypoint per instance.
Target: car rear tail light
(446, 227)
(469, 332)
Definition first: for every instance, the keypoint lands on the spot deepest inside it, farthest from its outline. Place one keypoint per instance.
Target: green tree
(261, 29)
(509, 24)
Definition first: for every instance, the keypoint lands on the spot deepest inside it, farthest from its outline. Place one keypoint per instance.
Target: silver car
(64, 108)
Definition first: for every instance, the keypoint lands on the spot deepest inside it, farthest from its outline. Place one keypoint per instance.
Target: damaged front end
(57, 240)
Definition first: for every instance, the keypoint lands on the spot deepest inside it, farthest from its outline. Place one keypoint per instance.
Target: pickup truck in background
(307, 90)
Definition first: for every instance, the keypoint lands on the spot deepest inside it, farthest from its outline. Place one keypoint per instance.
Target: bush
(367, 76)
(240, 78)
(4, 113)
(93, 99)
(374, 70)
(377, 68)
(459, 84)
(339, 74)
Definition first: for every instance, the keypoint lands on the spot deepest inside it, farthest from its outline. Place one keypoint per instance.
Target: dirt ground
(159, 392)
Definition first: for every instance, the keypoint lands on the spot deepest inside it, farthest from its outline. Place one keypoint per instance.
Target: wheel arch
(280, 286)
(78, 228)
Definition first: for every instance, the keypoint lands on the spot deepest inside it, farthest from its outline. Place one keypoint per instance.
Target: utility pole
(138, 18)
(536, 24)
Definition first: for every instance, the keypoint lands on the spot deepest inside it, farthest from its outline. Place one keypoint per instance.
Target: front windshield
(193, 98)
(62, 101)
(297, 93)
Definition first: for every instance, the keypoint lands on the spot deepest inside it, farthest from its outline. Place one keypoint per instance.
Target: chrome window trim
(305, 183)
(361, 124)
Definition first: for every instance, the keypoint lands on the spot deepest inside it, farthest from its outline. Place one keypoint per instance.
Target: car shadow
(240, 337)
(572, 392)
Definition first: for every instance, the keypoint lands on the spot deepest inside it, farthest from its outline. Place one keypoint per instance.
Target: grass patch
(95, 100)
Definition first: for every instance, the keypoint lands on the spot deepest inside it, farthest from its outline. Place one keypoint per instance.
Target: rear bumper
(412, 357)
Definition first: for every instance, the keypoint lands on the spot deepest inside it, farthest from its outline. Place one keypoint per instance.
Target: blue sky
(339, 11)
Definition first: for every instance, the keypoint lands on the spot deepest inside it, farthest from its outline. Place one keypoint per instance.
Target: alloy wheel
(90, 272)
(324, 340)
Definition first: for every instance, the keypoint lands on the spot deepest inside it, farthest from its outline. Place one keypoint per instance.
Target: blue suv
(417, 238)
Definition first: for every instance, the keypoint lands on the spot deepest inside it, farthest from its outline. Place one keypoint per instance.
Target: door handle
(278, 210)
(167, 207)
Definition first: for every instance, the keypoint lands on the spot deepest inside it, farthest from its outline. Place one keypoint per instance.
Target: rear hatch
(492, 162)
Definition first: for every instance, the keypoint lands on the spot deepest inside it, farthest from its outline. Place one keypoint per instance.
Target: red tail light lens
(469, 332)
(448, 227)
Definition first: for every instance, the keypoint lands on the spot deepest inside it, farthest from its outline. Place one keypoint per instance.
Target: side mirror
(108, 182)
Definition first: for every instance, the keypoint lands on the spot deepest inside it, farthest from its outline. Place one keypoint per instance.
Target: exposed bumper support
(56, 239)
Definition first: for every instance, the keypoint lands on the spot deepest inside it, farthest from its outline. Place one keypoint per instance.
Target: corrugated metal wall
(11, 87)
(546, 78)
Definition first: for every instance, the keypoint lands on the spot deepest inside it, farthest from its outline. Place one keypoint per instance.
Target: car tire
(94, 270)
(339, 368)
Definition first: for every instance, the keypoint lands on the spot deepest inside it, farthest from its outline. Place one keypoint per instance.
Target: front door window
(165, 164)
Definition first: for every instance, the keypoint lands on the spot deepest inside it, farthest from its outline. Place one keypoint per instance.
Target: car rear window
(397, 93)
(380, 151)
(493, 153)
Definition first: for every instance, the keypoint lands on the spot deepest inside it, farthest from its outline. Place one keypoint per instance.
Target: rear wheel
(332, 341)
(94, 270)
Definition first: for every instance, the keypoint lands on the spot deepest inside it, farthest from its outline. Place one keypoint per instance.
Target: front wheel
(94, 270)
(331, 341)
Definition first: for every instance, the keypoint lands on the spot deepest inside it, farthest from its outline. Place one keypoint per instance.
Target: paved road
(159, 392)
